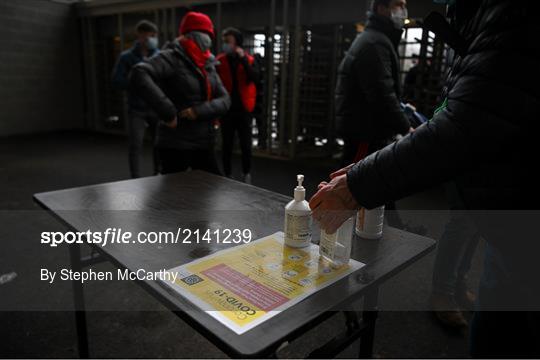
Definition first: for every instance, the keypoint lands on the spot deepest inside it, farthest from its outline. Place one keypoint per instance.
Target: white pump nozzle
(300, 179)
(299, 191)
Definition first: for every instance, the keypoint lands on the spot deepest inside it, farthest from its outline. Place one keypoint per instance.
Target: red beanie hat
(196, 21)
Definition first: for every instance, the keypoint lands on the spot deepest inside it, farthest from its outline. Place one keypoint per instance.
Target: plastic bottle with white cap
(298, 218)
(369, 223)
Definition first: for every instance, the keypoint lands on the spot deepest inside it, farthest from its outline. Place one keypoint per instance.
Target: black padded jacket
(171, 82)
(368, 86)
(487, 130)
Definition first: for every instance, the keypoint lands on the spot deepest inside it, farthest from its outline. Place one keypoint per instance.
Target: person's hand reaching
(241, 53)
(333, 203)
(172, 124)
(188, 114)
(341, 171)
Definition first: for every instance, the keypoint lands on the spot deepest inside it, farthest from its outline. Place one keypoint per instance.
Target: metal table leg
(78, 299)
(369, 318)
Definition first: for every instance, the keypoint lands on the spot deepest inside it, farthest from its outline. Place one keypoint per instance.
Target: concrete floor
(47, 162)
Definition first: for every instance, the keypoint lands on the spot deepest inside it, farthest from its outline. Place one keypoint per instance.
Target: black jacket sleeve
(252, 71)
(373, 69)
(120, 73)
(144, 81)
(218, 106)
(488, 111)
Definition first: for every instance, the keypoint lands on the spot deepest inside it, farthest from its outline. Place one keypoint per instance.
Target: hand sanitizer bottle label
(327, 245)
(297, 230)
(298, 218)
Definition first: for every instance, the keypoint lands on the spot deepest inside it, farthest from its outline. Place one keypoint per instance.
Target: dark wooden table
(199, 200)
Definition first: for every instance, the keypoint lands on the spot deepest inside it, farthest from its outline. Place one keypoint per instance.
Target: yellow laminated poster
(246, 285)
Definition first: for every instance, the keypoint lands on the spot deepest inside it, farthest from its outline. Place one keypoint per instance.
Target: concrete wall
(40, 67)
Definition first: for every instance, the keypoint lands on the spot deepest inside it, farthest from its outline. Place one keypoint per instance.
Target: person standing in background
(140, 116)
(182, 86)
(367, 98)
(239, 73)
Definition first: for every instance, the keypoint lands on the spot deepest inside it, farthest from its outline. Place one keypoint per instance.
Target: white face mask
(227, 48)
(399, 15)
(152, 43)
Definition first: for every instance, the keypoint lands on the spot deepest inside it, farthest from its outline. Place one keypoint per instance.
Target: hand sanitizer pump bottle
(298, 218)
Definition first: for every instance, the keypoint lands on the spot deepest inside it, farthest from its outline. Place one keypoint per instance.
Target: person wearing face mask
(367, 96)
(239, 73)
(182, 86)
(140, 116)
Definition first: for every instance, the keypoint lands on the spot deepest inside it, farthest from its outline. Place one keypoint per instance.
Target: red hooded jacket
(247, 89)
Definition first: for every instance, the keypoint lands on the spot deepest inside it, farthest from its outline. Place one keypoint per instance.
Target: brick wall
(40, 67)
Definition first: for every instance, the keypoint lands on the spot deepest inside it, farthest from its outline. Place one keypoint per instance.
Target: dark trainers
(452, 319)
(447, 311)
(466, 299)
